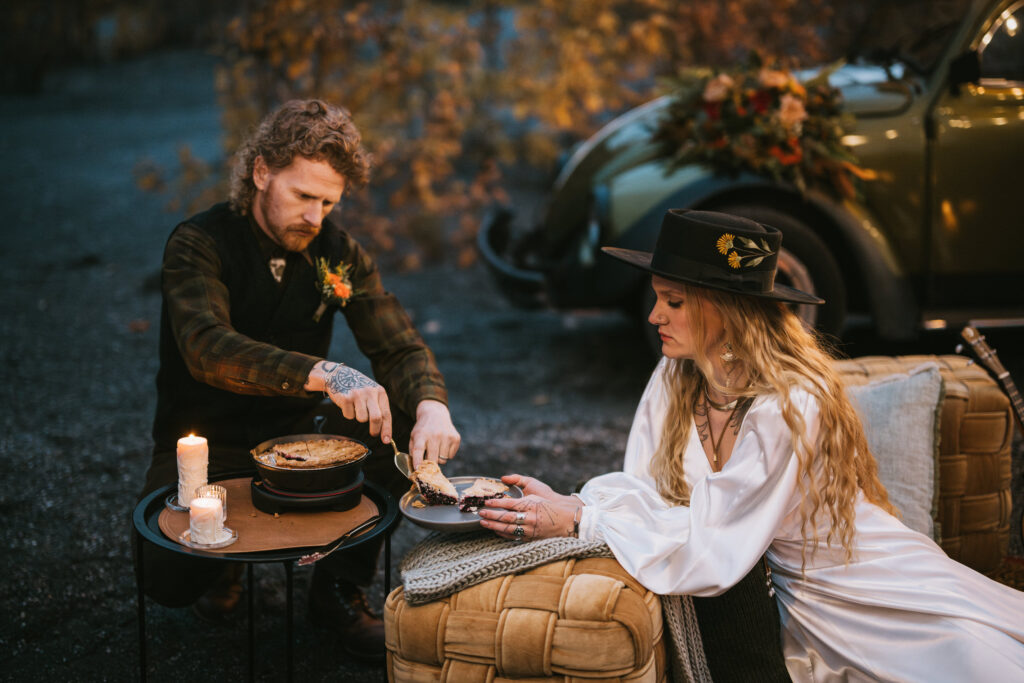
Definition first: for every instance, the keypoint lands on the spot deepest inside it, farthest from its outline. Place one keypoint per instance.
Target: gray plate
(446, 517)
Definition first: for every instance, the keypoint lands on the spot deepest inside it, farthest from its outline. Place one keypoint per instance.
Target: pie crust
(433, 485)
(312, 453)
(481, 490)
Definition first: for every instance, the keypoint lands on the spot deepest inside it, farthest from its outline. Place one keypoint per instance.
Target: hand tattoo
(542, 512)
(344, 379)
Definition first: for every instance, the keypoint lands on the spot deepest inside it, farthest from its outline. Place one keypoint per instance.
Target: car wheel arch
(869, 268)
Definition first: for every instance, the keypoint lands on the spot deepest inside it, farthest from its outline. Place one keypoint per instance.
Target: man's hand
(433, 436)
(358, 396)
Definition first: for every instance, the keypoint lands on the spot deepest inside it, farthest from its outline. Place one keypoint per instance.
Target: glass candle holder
(215, 491)
(206, 517)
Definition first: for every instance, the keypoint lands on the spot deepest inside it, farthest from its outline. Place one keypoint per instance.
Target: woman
(744, 445)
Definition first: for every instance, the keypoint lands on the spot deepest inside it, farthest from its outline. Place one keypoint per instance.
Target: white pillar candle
(193, 457)
(205, 517)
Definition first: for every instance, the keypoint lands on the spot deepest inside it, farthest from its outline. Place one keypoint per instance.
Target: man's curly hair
(312, 129)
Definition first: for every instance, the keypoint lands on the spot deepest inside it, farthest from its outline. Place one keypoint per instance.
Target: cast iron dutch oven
(329, 478)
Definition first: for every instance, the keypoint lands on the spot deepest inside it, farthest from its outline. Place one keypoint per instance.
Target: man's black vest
(262, 309)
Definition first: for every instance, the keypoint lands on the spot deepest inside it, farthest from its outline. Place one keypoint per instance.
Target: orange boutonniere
(335, 286)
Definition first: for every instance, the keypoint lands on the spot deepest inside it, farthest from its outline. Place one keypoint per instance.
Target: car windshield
(914, 32)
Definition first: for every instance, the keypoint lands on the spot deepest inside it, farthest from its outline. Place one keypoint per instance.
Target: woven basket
(569, 620)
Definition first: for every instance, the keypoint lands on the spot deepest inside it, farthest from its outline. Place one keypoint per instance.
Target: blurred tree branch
(452, 96)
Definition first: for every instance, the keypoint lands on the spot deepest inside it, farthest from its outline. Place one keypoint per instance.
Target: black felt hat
(719, 251)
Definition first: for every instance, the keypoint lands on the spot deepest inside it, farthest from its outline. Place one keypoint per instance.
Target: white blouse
(900, 610)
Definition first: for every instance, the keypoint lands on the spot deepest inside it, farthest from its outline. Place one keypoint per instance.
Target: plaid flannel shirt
(200, 313)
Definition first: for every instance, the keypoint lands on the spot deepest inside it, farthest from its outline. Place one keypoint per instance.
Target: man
(246, 327)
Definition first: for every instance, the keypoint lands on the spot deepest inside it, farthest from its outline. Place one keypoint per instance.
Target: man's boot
(342, 606)
(220, 602)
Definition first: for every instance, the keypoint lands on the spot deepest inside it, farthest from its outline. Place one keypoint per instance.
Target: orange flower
(332, 279)
(772, 78)
(784, 158)
(734, 259)
(341, 290)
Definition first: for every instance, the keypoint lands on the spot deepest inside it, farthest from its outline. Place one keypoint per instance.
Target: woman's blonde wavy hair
(312, 129)
(776, 353)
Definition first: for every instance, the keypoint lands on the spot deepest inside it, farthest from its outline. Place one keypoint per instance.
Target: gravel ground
(540, 392)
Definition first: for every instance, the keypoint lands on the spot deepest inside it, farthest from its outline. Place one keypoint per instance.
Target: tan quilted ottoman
(976, 434)
(569, 620)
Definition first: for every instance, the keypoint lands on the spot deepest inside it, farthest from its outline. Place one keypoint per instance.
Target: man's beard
(298, 237)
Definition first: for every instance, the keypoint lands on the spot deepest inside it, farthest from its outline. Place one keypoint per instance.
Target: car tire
(805, 263)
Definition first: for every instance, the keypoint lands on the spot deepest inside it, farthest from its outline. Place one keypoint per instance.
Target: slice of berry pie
(481, 490)
(433, 485)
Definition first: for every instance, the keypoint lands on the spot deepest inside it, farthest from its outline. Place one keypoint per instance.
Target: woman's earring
(727, 355)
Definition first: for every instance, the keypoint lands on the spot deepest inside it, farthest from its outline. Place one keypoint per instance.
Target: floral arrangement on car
(335, 286)
(760, 118)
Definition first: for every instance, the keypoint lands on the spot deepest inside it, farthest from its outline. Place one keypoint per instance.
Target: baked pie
(481, 490)
(433, 485)
(312, 453)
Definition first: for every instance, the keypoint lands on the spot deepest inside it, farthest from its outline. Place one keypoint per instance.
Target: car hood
(870, 90)
(867, 90)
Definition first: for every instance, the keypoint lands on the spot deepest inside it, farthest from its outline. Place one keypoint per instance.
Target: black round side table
(145, 520)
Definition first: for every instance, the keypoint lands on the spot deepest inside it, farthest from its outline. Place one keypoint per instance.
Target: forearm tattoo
(344, 379)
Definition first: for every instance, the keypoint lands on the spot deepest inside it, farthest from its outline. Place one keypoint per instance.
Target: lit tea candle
(193, 457)
(215, 491)
(205, 519)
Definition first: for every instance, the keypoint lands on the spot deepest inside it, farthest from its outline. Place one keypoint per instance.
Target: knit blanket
(443, 564)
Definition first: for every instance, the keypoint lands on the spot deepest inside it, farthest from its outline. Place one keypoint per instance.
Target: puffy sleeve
(647, 423)
(733, 515)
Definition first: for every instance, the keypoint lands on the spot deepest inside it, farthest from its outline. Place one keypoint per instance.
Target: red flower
(760, 101)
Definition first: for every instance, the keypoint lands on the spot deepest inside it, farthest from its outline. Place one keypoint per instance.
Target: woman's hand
(541, 513)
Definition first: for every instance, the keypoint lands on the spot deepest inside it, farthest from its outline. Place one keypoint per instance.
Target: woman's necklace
(731, 405)
(717, 443)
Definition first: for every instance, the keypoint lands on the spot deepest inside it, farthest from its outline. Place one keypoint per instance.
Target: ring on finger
(520, 516)
(519, 532)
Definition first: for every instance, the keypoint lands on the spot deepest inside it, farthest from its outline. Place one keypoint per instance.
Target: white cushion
(901, 416)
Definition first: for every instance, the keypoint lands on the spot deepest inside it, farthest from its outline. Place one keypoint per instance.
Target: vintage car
(935, 239)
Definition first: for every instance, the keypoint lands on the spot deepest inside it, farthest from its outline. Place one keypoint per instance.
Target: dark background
(540, 392)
